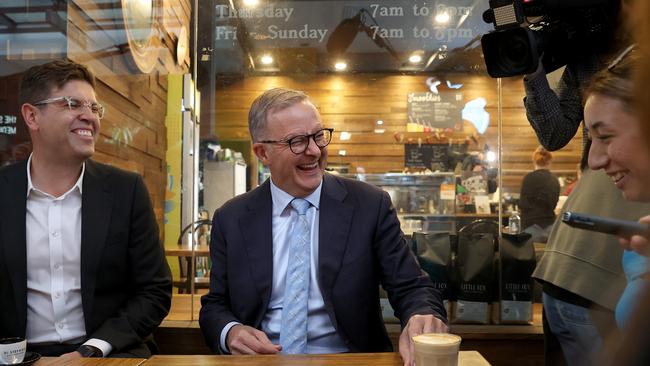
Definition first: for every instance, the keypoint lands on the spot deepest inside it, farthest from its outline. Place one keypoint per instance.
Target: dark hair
(40, 80)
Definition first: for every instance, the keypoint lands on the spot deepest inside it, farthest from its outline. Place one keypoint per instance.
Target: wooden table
(465, 358)
(52, 361)
(182, 308)
(186, 251)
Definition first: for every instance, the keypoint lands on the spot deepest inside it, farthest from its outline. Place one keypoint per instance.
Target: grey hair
(271, 100)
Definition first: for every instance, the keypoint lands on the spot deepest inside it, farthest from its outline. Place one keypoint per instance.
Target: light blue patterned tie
(293, 335)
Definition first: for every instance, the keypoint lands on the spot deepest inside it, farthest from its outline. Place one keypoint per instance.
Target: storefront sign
(442, 110)
(426, 156)
(8, 124)
(402, 21)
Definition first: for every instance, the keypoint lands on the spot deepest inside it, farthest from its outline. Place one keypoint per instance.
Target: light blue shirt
(321, 335)
(635, 266)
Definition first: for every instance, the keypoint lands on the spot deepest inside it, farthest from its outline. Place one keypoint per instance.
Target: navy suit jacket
(360, 246)
(125, 279)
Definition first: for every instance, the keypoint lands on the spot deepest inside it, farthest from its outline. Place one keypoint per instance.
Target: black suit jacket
(125, 279)
(360, 246)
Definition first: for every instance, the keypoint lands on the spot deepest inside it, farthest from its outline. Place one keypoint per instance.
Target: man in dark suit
(82, 271)
(351, 242)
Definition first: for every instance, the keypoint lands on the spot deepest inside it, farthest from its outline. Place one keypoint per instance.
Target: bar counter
(465, 358)
(53, 361)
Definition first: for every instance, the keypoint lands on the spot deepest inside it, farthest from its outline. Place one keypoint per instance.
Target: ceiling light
(345, 135)
(380, 122)
(342, 152)
(266, 59)
(414, 59)
(491, 156)
(379, 130)
(251, 2)
(340, 66)
(442, 18)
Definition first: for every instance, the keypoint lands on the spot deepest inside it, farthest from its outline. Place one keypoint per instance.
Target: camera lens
(513, 53)
(510, 52)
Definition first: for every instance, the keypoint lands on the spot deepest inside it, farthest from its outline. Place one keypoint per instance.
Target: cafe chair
(184, 283)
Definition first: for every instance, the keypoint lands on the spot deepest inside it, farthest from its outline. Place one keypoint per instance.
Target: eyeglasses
(75, 105)
(298, 144)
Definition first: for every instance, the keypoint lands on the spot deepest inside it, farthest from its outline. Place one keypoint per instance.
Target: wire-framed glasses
(621, 56)
(298, 144)
(75, 105)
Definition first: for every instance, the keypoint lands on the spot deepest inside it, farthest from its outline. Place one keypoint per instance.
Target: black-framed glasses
(298, 144)
(75, 105)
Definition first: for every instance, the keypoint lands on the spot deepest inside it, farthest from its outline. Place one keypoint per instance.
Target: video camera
(556, 30)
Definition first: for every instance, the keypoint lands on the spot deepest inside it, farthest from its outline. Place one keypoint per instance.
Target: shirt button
(61, 325)
(55, 234)
(57, 295)
(57, 266)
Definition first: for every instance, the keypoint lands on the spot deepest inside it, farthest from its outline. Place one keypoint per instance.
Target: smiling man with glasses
(82, 271)
(297, 262)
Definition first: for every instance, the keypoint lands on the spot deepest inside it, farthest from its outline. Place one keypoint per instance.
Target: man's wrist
(89, 351)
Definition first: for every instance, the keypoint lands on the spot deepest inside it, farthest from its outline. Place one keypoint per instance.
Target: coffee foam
(437, 339)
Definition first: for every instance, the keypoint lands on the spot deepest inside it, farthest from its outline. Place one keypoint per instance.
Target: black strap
(566, 296)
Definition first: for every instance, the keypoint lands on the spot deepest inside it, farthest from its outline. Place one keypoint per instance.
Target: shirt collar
(282, 199)
(30, 186)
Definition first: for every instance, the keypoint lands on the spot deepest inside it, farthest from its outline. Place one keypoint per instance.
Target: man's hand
(245, 340)
(418, 324)
(638, 243)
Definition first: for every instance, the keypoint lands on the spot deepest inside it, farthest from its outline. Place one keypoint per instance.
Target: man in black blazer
(356, 245)
(82, 270)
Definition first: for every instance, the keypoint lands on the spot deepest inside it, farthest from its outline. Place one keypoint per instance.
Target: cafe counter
(465, 358)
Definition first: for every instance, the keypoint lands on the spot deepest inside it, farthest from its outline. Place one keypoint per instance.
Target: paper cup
(12, 350)
(436, 349)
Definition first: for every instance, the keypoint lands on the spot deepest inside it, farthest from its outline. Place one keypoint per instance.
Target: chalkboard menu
(427, 156)
(441, 110)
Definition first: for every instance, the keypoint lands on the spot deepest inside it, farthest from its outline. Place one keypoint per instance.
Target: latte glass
(436, 349)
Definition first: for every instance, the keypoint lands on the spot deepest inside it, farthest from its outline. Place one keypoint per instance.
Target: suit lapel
(256, 228)
(334, 227)
(97, 201)
(13, 235)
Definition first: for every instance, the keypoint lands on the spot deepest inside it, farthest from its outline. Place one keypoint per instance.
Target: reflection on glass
(391, 50)
(139, 20)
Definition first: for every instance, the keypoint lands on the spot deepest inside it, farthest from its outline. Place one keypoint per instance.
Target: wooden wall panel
(133, 133)
(354, 103)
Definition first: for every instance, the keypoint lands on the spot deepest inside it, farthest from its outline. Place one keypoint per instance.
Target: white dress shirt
(321, 334)
(53, 243)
